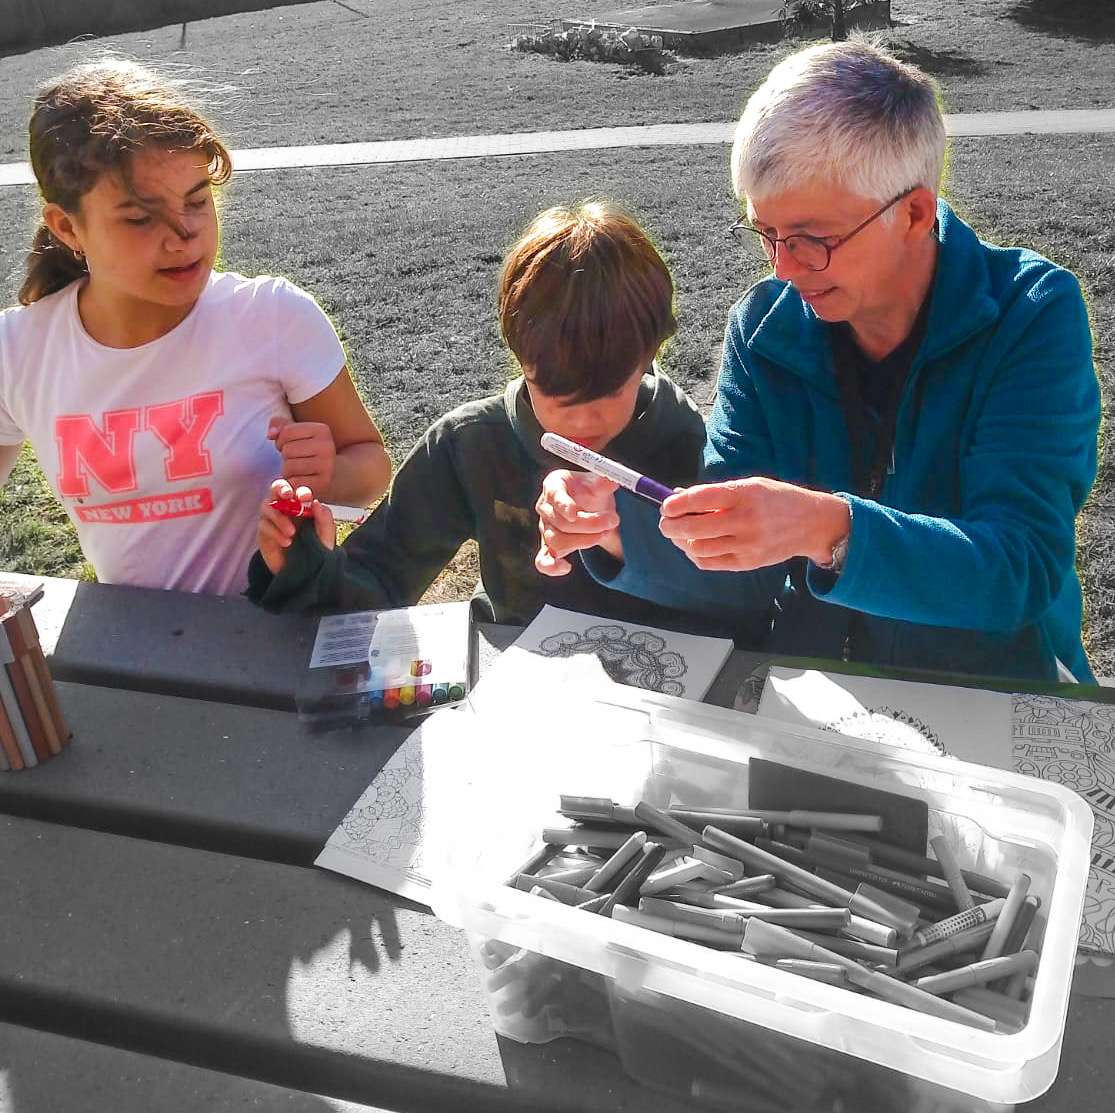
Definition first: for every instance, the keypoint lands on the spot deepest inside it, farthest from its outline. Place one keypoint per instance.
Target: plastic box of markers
(418, 660)
(727, 1034)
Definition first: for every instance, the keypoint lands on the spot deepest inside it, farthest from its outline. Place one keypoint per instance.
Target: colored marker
(902, 859)
(441, 693)
(457, 690)
(407, 694)
(576, 876)
(950, 867)
(419, 668)
(832, 821)
(748, 886)
(970, 917)
(596, 809)
(980, 973)
(604, 875)
(996, 945)
(742, 826)
(293, 508)
(676, 874)
(600, 465)
(424, 695)
(664, 824)
(968, 940)
(828, 972)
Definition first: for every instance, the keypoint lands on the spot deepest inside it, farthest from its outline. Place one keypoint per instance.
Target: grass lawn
(397, 69)
(405, 257)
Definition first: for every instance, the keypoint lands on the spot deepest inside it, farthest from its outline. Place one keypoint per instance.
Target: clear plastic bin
(707, 1025)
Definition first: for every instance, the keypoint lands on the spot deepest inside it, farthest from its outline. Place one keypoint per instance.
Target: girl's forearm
(361, 474)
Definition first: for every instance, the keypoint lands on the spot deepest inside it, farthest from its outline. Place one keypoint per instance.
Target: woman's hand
(752, 523)
(277, 530)
(575, 511)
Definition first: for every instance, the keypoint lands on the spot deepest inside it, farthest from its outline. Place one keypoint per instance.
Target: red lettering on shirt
(182, 426)
(138, 511)
(83, 451)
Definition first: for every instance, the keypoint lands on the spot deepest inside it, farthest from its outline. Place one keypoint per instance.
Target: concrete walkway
(586, 139)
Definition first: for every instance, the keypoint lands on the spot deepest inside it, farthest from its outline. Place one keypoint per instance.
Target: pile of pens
(818, 895)
(32, 727)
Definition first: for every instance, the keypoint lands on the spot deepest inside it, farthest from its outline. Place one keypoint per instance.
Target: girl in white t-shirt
(162, 397)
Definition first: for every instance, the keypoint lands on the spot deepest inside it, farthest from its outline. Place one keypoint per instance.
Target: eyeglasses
(807, 251)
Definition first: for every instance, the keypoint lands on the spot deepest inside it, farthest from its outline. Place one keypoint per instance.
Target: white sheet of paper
(343, 639)
(643, 656)
(968, 723)
(381, 840)
(487, 781)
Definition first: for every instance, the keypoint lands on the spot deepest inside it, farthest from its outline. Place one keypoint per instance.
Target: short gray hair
(847, 113)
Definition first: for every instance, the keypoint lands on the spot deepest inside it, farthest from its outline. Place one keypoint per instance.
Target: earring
(78, 254)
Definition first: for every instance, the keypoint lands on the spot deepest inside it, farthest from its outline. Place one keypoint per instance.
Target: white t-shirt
(160, 453)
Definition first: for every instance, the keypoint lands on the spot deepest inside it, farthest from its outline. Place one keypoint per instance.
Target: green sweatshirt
(476, 474)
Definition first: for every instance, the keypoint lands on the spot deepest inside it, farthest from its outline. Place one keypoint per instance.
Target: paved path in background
(587, 139)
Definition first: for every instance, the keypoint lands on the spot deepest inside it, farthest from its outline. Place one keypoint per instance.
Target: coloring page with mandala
(385, 838)
(642, 656)
(932, 718)
(1072, 742)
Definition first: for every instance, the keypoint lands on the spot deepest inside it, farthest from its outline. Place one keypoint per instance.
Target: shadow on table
(235, 1041)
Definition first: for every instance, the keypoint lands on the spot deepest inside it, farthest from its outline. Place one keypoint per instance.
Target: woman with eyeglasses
(906, 419)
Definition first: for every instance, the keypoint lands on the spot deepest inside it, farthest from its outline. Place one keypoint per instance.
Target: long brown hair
(585, 300)
(92, 121)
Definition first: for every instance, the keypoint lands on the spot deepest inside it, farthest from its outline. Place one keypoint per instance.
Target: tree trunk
(839, 27)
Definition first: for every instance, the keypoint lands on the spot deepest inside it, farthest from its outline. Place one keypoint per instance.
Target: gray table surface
(166, 943)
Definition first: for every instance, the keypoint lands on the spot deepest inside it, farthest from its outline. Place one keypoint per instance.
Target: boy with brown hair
(585, 302)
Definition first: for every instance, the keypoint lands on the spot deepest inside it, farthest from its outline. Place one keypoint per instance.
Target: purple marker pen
(609, 469)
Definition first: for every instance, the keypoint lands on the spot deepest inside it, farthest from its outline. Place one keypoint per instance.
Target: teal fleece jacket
(966, 561)
(476, 473)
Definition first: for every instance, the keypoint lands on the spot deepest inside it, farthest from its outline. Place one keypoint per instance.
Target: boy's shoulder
(478, 417)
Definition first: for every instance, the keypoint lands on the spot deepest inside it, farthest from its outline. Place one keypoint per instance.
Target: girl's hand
(277, 530)
(308, 451)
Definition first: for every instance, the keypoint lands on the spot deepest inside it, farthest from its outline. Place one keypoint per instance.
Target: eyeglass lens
(804, 250)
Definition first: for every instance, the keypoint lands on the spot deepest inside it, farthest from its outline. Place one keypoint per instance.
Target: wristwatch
(839, 555)
(840, 549)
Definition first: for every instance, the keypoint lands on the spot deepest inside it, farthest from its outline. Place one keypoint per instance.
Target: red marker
(292, 508)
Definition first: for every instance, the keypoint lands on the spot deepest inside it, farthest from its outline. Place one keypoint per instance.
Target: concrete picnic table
(167, 944)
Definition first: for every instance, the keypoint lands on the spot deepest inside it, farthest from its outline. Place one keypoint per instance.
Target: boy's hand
(308, 452)
(276, 529)
(575, 511)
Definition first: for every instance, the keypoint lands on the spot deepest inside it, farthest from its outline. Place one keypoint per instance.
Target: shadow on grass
(939, 63)
(1088, 20)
